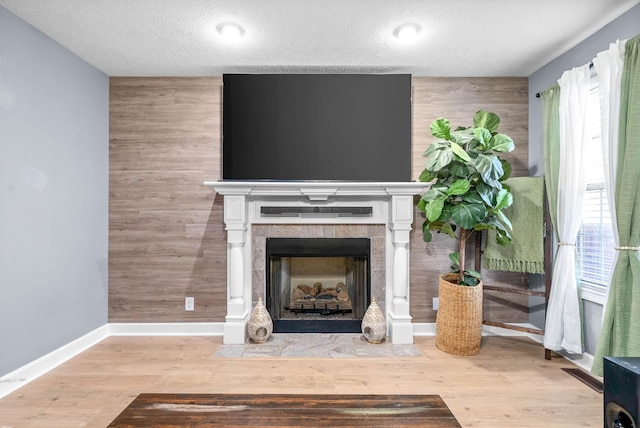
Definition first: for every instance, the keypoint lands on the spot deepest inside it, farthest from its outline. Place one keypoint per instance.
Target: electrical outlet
(436, 302)
(189, 304)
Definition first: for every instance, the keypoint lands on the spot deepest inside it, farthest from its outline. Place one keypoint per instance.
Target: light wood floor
(509, 384)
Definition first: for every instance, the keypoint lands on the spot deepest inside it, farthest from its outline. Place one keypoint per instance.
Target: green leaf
(504, 199)
(458, 169)
(496, 168)
(473, 273)
(493, 182)
(506, 167)
(459, 151)
(488, 120)
(472, 197)
(483, 136)
(441, 128)
(446, 214)
(474, 147)
(484, 166)
(434, 192)
(445, 158)
(501, 143)
(459, 187)
(426, 176)
(432, 159)
(448, 229)
(484, 226)
(503, 238)
(491, 222)
(434, 209)
(490, 168)
(422, 204)
(436, 225)
(439, 159)
(503, 218)
(436, 145)
(468, 215)
(486, 193)
(462, 136)
(470, 281)
(455, 259)
(426, 233)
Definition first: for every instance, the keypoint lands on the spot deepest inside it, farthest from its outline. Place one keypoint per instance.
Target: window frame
(589, 290)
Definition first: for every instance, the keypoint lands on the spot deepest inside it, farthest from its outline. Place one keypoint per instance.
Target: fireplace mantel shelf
(390, 204)
(316, 190)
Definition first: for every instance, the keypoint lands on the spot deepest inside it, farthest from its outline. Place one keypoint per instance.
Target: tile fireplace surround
(295, 203)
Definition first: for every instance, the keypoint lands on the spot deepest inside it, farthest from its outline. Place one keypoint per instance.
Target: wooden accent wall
(166, 231)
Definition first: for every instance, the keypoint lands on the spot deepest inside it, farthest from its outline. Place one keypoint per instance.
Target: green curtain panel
(551, 136)
(620, 336)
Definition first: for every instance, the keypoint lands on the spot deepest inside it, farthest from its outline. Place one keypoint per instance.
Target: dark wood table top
(286, 410)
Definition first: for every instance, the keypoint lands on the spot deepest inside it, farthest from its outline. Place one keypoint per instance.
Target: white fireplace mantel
(391, 204)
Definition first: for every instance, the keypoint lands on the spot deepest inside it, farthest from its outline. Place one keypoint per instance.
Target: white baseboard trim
(167, 329)
(36, 368)
(584, 360)
(424, 329)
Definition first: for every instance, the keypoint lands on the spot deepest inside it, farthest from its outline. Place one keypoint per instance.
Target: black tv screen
(315, 127)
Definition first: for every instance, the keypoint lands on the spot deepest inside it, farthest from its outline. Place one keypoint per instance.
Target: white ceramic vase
(260, 325)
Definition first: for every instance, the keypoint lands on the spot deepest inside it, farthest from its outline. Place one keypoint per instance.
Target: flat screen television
(317, 127)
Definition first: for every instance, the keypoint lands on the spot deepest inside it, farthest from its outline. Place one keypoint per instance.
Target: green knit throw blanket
(527, 216)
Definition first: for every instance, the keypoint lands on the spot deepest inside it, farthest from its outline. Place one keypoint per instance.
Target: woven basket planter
(459, 319)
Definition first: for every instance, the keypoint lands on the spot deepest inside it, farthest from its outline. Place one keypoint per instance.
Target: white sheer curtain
(563, 329)
(608, 65)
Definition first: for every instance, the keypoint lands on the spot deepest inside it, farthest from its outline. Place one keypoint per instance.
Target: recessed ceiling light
(230, 30)
(407, 32)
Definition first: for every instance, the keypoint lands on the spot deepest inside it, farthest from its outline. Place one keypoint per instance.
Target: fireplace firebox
(318, 285)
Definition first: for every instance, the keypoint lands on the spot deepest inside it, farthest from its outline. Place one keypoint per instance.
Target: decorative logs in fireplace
(317, 299)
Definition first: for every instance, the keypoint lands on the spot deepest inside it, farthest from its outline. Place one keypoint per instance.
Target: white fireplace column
(238, 267)
(391, 204)
(397, 269)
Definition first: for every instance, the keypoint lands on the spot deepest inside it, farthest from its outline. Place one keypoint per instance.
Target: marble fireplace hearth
(254, 211)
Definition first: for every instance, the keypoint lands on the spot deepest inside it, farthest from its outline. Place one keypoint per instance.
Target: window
(595, 244)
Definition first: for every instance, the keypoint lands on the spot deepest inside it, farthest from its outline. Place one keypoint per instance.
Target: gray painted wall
(54, 154)
(625, 27)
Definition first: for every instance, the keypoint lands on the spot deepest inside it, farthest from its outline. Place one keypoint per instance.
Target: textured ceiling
(458, 38)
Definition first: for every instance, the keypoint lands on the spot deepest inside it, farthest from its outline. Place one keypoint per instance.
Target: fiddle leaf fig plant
(467, 193)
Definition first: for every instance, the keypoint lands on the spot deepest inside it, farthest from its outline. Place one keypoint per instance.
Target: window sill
(593, 294)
